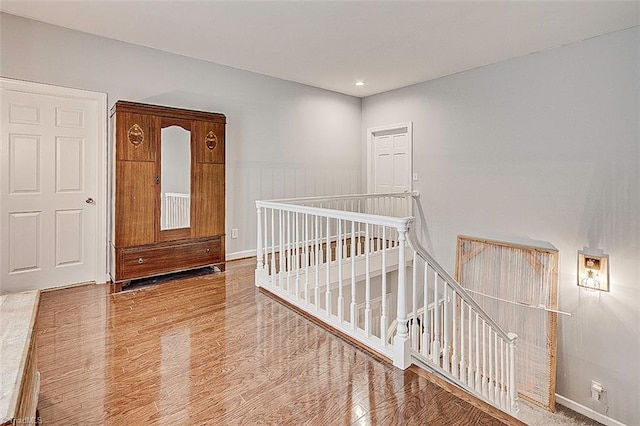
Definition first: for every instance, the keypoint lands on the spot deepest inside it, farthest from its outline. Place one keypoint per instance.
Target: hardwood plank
(213, 350)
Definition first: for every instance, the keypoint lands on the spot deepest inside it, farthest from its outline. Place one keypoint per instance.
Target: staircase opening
(356, 263)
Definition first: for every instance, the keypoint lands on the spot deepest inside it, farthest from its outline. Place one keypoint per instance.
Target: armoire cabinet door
(136, 137)
(209, 140)
(135, 203)
(207, 213)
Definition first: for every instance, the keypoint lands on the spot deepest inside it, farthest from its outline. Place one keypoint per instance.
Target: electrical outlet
(596, 390)
(234, 233)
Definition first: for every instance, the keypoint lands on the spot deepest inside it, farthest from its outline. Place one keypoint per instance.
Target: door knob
(89, 201)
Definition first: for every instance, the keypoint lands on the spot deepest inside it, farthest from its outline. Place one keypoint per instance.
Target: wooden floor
(213, 349)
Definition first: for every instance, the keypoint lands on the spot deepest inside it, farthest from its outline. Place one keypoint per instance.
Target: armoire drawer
(140, 262)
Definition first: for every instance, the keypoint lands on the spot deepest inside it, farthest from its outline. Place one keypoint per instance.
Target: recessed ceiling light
(359, 83)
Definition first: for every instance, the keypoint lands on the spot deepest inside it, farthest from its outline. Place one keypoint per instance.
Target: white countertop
(17, 320)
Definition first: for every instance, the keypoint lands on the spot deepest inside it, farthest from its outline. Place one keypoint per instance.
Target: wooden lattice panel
(513, 283)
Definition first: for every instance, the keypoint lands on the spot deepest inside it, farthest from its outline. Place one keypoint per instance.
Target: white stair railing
(327, 255)
(175, 210)
(463, 343)
(330, 256)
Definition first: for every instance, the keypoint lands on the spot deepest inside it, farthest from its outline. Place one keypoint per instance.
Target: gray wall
(283, 139)
(544, 147)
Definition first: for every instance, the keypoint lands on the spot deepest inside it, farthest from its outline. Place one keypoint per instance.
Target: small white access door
(389, 158)
(50, 191)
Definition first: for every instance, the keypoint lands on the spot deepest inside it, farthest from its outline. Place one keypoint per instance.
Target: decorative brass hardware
(140, 261)
(211, 140)
(135, 135)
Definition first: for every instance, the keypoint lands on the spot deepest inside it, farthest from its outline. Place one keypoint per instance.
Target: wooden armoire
(167, 189)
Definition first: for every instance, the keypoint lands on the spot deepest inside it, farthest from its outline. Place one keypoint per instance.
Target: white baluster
(353, 276)
(425, 313)
(484, 360)
(383, 317)
(496, 388)
(281, 250)
(317, 270)
(367, 291)
(339, 245)
(463, 375)
(307, 258)
(273, 248)
(454, 326)
(503, 383)
(415, 328)
(297, 255)
(358, 248)
(435, 350)
(327, 292)
(470, 378)
(319, 237)
(490, 368)
(478, 386)
(513, 392)
(288, 256)
(446, 323)
(344, 239)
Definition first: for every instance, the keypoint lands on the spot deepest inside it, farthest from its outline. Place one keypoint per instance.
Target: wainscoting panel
(251, 181)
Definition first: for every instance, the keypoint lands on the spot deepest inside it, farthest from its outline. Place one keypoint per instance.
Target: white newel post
(260, 271)
(401, 342)
(513, 391)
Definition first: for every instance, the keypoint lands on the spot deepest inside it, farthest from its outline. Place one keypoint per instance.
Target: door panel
(383, 165)
(24, 242)
(69, 238)
(24, 114)
(207, 194)
(69, 164)
(209, 142)
(47, 172)
(24, 164)
(138, 133)
(69, 117)
(135, 201)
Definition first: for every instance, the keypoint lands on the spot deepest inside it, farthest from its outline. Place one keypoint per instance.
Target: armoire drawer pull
(140, 260)
(208, 250)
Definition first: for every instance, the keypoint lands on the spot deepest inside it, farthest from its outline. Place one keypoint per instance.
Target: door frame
(101, 198)
(371, 131)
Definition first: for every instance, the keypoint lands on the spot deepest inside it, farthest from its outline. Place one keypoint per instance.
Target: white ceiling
(332, 44)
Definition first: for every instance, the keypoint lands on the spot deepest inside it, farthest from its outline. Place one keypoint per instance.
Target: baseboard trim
(241, 255)
(586, 411)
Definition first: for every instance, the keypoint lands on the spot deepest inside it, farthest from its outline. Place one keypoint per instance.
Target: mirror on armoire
(175, 175)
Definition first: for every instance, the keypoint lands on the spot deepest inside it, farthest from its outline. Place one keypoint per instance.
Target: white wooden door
(49, 190)
(390, 159)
